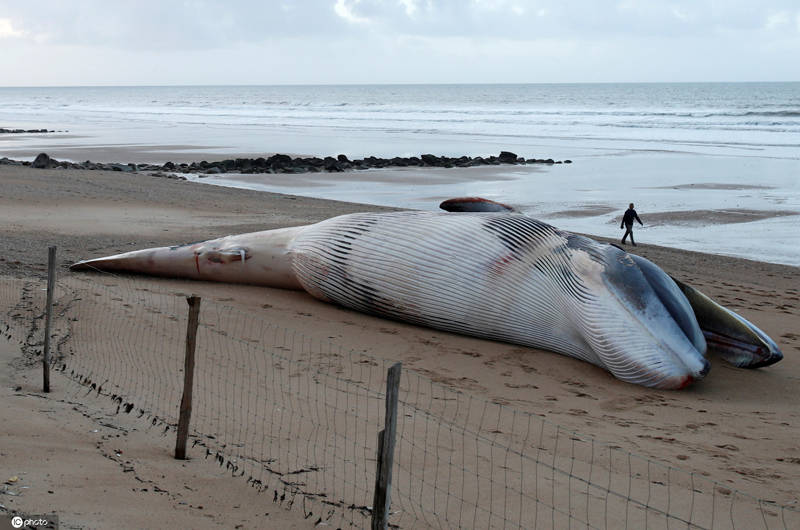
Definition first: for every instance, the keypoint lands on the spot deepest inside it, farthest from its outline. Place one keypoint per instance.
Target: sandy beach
(737, 427)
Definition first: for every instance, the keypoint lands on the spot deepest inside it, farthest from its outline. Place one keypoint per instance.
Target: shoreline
(432, 175)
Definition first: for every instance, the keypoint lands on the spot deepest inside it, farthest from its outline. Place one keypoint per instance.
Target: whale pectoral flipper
(729, 335)
(475, 204)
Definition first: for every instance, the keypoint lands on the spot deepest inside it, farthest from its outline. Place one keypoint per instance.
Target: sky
(219, 42)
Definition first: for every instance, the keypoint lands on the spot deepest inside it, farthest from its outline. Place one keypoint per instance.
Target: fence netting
(298, 418)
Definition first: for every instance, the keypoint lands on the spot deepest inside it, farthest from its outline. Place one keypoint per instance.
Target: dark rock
(243, 164)
(567, 161)
(279, 161)
(430, 160)
(507, 157)
(342, 158)
(331, 164)
(549, 161)
(169, 166)
(43, 161)
(18, 131)
(314, 161)
(213, 171)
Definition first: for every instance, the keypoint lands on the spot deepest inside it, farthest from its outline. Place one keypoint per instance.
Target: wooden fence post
(386, 441)
(51, 284)
(188, 377)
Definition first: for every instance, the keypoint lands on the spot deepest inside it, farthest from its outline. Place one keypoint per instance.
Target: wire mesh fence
(298, 417)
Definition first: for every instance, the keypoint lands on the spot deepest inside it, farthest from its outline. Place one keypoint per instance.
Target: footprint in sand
(523, 385)
(620, 404)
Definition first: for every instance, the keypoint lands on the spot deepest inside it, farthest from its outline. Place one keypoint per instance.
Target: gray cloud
(333, 41)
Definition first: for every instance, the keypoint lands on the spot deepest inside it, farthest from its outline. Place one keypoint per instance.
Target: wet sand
(67, 146)
(739, 427)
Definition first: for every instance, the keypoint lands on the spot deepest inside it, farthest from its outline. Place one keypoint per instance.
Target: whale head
(637, 321)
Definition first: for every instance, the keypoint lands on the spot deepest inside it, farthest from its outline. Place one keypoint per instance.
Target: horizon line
(147, 85)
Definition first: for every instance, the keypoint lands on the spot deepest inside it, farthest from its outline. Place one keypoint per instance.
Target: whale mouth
(747, 351)
(730, 335)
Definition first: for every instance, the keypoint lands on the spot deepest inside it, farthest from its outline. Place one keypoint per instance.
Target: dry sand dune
(738, 427)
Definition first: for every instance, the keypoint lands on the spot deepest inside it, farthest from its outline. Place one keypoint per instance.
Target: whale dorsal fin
(475, 204)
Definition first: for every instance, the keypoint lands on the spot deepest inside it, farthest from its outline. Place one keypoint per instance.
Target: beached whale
(489, 272)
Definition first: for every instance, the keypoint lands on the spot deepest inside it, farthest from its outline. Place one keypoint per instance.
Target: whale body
(497, 275)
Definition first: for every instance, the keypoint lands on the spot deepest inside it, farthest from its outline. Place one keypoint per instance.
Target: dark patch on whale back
(524, 237)
(366, 294)
(518, 232)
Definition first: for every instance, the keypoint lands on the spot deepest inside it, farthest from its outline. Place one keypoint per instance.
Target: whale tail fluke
(257, 258)
(176, 261)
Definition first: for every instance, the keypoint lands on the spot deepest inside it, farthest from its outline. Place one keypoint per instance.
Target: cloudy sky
(165, 42)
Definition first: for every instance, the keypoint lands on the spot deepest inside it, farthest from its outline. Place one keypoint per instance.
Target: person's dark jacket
(630, 215)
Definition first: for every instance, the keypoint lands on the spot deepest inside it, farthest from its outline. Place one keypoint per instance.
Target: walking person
(627, 221)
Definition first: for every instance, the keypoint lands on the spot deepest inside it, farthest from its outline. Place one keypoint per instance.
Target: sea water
(642, 143)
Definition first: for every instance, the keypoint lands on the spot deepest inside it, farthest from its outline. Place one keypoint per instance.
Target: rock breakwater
(280, 163)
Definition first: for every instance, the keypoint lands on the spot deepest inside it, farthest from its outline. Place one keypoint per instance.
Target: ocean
(714, 166)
